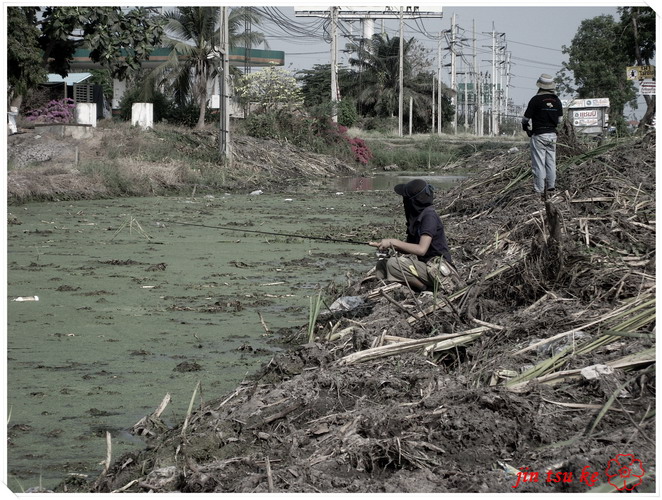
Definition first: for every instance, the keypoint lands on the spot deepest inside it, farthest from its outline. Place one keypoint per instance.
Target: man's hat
(546, 82)
(412, 188)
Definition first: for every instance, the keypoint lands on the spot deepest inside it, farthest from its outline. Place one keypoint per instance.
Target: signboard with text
(588, 116)
(641, 72)
(647, 87)
(601, 102)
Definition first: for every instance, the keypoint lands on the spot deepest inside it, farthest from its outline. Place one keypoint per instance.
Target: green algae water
(133, 305)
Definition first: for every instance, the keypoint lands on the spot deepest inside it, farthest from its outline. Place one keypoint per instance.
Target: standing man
(541, 118)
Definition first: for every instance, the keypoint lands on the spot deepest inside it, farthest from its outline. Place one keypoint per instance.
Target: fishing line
(270, 233)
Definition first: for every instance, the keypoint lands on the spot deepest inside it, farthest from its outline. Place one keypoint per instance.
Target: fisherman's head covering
(416, 196)
(546, 82)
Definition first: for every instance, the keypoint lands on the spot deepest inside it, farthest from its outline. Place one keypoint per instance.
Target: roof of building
(70, 79)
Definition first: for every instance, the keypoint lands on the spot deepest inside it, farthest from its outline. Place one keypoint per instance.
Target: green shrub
(347, 114)
(381, 125)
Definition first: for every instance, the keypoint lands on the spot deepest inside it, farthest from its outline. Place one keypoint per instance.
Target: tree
(119, 40)
(316, 83)
(193, 36)
(376, 79)
(24, 63)
(596, 66)
(638, 24)
(270, 88)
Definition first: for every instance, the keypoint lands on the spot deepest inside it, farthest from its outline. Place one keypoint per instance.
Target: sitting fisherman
(426, 262)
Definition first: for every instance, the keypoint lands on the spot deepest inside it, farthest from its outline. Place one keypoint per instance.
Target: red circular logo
(624, 467)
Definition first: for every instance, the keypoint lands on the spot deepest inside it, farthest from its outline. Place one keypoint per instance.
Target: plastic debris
(32, 298)
(347, 303)
(595, 372)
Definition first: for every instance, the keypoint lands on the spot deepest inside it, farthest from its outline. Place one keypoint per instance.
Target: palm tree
(193, 35)
(377, 81)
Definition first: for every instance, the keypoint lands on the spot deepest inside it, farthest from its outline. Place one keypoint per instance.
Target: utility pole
(433, 96)
(476, 82)
(453, 74)
(502, 72)
(466, 100)
(334, 64)
(507, 86)
(439, 85)
(401, 76)
(493, 85)
(479, 96)
(224, 97)
(411, 114)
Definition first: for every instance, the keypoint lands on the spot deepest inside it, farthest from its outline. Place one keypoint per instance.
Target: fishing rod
(270, 233)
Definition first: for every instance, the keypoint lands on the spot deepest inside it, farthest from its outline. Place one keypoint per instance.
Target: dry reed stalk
(190, 409)
(403, 347)
(636, 360)
(613, 314)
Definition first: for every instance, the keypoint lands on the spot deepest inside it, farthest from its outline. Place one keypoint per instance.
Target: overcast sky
(534, 37)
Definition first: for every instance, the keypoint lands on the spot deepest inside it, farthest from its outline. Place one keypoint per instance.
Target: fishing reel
(384, 254)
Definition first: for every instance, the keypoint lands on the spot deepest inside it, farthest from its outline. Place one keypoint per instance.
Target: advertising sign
(601, 102)
(640, 72)
(647, 87)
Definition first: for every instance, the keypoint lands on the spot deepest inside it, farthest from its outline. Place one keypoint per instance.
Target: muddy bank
(537, 374)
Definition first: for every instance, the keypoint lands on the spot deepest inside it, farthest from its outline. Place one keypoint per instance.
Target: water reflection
(385, 182)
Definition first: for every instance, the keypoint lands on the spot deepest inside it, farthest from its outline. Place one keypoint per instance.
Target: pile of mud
(536, 374)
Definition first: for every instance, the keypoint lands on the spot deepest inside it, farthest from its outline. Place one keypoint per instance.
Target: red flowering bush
(57, 111)
(361, 150)
(335, 133)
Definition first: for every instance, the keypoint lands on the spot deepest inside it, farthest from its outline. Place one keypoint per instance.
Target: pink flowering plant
(361, 150)
(56, 111)
(337, 134)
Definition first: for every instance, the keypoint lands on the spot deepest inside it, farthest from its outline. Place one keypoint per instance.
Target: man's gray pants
(543, 161)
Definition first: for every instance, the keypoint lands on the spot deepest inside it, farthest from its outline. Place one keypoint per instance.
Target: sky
(534, 37)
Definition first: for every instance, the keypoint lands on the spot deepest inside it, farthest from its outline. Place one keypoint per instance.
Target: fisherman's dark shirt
(428, 222)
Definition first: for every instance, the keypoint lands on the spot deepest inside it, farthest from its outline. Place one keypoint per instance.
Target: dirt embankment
(535, 374)
(119, 160)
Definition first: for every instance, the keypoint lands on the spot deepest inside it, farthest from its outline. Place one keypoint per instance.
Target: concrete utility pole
(508, 117)
(466, 95)
(439, 85)
(493, 128)
(401, 76)
(334, 63)
(224, 97)
(453, 75)
(433, 103)
(476, 84)
(502, 74)
(411, 114)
